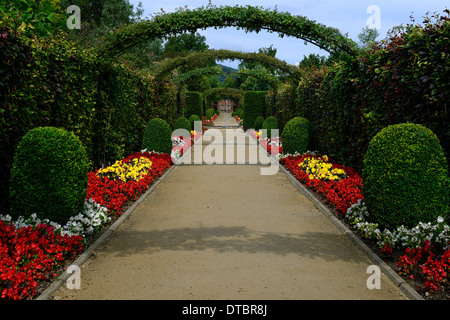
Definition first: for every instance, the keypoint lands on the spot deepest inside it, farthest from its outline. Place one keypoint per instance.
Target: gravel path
(227, 232)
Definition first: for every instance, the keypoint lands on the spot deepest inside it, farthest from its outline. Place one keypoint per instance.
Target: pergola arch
(166, 66)
(249, 18)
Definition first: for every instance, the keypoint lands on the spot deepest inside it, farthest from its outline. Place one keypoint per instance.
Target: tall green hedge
(254, 102)
(404, 78)
(54, 82)
(194, 104)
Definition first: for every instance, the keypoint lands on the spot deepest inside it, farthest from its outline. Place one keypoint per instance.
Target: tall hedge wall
(254, 102)
(194, 104)
(404, 78)
(54, 82)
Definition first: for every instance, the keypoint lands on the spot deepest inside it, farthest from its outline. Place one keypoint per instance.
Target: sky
(349, 16)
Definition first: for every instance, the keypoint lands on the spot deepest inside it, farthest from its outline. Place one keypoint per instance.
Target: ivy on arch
(166, 66)
(235, 93)
(249, 18)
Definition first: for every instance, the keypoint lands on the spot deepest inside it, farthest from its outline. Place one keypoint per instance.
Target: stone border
(398, 281)
(46, 294)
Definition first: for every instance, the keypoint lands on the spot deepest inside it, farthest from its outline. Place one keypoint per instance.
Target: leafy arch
(249, 18)
(237, 94)
(166, 66)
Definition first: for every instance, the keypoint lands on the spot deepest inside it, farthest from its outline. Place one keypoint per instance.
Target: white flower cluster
(437, 234)
(87, 222)
(285, 155)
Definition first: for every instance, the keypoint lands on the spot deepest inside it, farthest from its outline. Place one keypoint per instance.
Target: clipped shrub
(183, 123)
(194, 103)
(209, 113)
(157, 136)
(296, 135)
(259, 123)
(192, 120)
(405, 177)
(254, 102)
(269, 124)
(48, 175)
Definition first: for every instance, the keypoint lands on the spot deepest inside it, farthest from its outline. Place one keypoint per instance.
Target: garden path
(227, 232)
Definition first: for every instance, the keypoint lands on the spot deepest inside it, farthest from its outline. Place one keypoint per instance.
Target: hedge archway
(248, 18)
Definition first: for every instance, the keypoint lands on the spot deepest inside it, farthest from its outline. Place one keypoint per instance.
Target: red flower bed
(114, 194)
(339, 194)
(28, 255)
(31, 254)
(434, 270)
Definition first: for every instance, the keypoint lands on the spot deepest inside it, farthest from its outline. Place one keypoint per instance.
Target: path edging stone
(398, 281)
(47, 293)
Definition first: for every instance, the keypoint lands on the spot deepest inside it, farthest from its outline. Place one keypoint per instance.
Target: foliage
(259, 122)
(182, 44)
(253, 107)
(368, 36)
(183, 123)
(269, 125)
(405, 171)
(33, 18)
(192, 120)
(210, 113)
(168, 65)
(56, 82)
(251, 19)
(404, 78)
(157, 136)
(296, 136)
(49, 175)
(194, 104)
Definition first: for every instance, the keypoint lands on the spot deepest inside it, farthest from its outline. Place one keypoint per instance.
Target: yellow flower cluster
(134, 169)
(320, 168)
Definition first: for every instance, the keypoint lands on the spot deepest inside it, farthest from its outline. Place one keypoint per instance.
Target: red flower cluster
(28, 255)
(114, 194)
(435, 270)
(340, 194)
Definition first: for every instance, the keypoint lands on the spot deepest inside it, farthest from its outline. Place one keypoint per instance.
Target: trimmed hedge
(269, 124)
(54, 82)
(254, 102)
(183, 123)
(49, 175)
(157, 136)
(405, 177)
(259, 123)
(194, 103)
(401, 79)
(192, 120)
(210, 113)
(296, 136)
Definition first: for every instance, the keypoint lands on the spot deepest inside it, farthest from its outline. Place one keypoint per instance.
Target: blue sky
(347, 16)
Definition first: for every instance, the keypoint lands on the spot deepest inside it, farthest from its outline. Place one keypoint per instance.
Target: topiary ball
(157, 136)
(49, 175)
(183, 123)
(209, 114)
(405, 177)
(192, 120)
(296, 135)
(259, 123)
(269, 124)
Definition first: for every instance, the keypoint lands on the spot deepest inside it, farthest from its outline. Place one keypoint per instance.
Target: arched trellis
(166, 66)
(249, 18)
(238, 94)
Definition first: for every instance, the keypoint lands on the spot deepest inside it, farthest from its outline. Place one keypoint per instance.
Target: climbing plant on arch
(249, 18)
(166, 66)
(224, 92)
